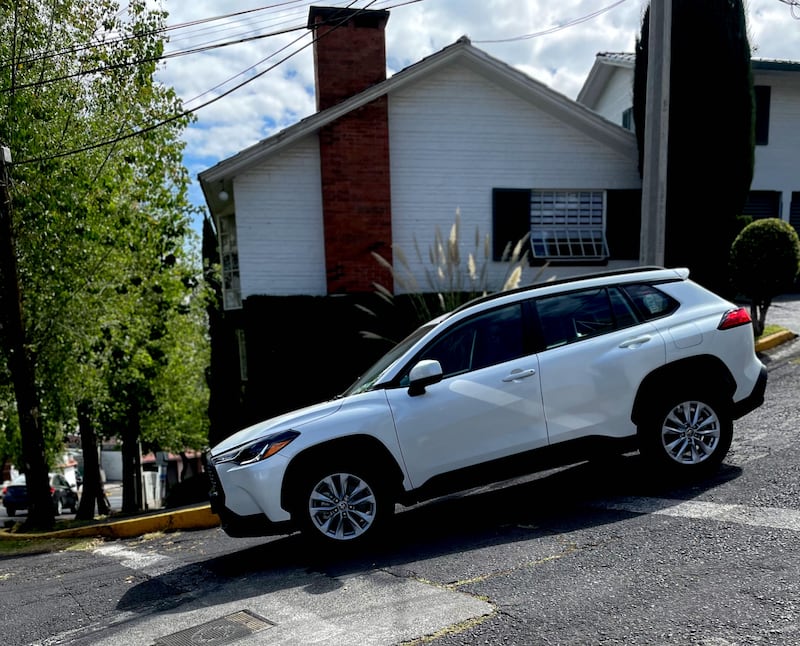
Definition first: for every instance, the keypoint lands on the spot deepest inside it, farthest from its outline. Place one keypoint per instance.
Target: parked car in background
(506, 385)
(15, 495)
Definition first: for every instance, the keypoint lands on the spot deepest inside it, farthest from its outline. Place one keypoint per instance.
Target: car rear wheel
(58, 507)
(11, 511)
(687, 434)
(343, 505)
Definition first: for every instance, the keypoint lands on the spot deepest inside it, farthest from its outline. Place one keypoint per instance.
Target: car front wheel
(687, 434)
(343, 506)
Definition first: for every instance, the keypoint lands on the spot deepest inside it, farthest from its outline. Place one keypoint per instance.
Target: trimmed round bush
(765, 259)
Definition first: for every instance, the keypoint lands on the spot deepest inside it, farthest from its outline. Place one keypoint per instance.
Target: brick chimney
(349, 51)
(349, 57)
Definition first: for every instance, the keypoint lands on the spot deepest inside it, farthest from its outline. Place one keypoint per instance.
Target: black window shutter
(623, 223)
(511, 218)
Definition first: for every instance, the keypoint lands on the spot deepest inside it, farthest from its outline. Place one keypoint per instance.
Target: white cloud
(283, 95)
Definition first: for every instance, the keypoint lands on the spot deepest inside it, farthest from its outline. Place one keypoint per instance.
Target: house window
(229, 253)
(240, 340)
(627, 119)
(763, 204)
(762, 96)
(794, 212)
(568, 225)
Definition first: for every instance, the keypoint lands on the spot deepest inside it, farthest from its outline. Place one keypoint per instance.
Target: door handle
(518, 373)
(639, 340)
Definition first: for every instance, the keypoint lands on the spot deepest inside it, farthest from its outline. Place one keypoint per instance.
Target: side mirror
(424, 373)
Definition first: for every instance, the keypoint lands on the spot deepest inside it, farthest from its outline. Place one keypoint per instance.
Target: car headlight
(258, 450)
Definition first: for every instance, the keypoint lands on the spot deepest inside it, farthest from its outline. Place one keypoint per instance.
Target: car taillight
(734, 318)
(52, 490)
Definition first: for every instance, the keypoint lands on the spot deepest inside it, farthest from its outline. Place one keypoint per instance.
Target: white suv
(508, 384)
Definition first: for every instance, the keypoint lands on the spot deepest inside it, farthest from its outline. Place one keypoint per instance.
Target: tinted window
(569, 317)
(487, 339)
(650, 302)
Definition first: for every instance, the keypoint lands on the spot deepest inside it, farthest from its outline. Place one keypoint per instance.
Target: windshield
(368, 379)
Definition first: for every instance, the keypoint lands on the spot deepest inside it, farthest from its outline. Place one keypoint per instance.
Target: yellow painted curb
(189, 518)
(771, 340)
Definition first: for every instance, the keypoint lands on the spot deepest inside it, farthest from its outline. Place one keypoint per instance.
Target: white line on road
(773, 517)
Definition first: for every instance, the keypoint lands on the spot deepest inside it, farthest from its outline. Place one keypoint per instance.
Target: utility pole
(656, 134)
(40, 511)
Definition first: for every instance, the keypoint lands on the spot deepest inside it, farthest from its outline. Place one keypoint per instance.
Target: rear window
(650, 302)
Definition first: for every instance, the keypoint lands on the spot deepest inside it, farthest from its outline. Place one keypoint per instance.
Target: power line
(186, 113)
(39, 57)
(565, 25)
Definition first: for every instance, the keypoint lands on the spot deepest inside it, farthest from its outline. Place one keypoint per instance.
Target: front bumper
(240, 525)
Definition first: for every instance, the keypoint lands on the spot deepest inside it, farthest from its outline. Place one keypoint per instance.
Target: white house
(775, 189)
(389, 160)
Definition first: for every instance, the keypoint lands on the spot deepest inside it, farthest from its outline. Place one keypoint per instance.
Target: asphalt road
(596, 554)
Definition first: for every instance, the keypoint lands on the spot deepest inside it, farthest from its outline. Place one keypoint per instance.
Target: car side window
(623, 311)
(569, 317)
(649, 301)
(488, 339)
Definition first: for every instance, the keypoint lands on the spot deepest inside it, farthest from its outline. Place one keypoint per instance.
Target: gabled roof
(606, 63)
(460, 52)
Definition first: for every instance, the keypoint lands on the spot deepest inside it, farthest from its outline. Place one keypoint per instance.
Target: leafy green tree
(764, 262)
(711, 132)
(101, 226)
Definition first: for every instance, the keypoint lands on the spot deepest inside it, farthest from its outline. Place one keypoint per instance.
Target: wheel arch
(366, 449)
(705, 371)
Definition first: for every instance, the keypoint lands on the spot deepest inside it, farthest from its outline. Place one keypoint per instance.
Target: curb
(200, 517)
(772, 340)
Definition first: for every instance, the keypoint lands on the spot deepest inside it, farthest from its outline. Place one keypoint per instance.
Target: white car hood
(293, 419)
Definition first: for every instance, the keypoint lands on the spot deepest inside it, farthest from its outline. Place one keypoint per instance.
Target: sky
(245, 67)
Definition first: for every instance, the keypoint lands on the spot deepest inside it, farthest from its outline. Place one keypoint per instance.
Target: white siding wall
(455, 137)
(279, 224)
(617, 97)
(777, 164)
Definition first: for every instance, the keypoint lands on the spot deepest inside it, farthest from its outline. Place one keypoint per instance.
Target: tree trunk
(131, 466)
(92, 495)
(21, 363)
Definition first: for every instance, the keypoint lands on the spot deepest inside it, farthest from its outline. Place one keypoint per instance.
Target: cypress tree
(711, 133)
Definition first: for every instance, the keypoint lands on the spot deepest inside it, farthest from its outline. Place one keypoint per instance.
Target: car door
(488, 404)
(596, 353)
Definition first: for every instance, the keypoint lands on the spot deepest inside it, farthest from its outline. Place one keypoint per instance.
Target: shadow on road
(539, 506)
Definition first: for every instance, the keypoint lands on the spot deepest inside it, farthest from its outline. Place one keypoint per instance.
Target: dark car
(15, 495)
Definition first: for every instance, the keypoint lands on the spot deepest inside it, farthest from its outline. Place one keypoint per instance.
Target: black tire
(342, 505)
(686, 434)
(58, 507)
(11, 511)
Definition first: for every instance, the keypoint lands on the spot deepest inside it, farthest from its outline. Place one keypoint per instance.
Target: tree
(100, 221)
(764, 261)
(711, 132)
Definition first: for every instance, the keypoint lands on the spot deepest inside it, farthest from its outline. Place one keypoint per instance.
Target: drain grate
(220, 631)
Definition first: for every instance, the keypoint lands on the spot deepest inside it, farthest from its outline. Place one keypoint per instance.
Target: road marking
(773, 517)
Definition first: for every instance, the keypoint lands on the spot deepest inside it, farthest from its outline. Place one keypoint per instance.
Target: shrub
(764, 262)
(450, 277)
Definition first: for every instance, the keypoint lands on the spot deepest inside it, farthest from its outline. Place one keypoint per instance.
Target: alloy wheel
(342, 506)
(690, 432)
